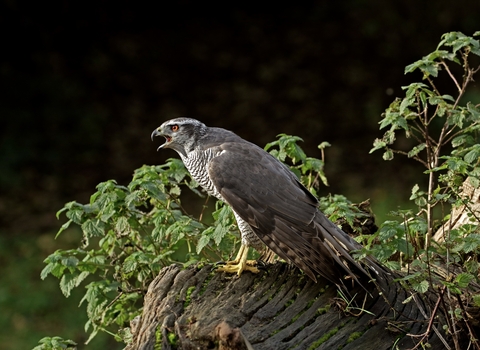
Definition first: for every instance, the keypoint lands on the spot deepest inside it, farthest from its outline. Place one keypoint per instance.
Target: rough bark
(279, 308)
(464, 214)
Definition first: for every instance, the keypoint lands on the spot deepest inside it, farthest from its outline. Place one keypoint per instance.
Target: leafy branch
(129, 233)
(444, 131)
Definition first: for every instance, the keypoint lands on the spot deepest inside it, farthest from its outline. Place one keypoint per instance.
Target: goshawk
(270, 204)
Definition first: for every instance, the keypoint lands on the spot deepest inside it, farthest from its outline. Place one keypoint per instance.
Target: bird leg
(240, 263)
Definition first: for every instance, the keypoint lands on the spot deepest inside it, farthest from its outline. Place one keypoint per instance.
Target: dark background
(83, 84)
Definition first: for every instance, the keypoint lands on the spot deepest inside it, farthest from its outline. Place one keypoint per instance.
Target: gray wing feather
(282, 212)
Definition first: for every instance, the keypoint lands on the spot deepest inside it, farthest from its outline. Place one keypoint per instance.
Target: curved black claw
(262, 265)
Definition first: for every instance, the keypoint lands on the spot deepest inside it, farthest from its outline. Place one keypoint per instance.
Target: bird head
(181, 134)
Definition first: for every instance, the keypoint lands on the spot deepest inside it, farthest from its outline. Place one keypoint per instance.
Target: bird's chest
(197, 164)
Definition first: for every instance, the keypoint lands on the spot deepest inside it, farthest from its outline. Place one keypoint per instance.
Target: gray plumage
(270, 204)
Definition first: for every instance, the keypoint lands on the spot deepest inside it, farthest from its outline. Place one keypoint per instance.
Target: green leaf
(461, 140)
(75, 213)
(464, 279)
(63, 227)
(219, 232)
(93, 228)
(421, 287)
(154, 190)
(476, 300)
(130, 264)
(324, 145)
(421, 201)
(390, 229)
(417, 149)
(60, 212)
(457, 118)
(47, 270)
(427, 65)
(388, 155)
(412, 67)
(175, 190)
(378, 144)
(67, 283)
(473, 155)
(122, 224)
(69, 261)
(474, 112)
(470, 243)
(204, 239)
(475, 181)
(407, 102)
(55, 343)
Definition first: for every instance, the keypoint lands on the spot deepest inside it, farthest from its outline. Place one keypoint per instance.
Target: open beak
(158, 132)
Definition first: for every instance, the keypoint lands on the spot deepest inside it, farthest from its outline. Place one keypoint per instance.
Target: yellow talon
(240, 263)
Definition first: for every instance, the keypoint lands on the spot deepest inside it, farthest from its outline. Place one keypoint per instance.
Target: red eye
(174, 127)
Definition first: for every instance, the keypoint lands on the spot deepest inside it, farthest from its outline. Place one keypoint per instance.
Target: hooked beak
(158, 132)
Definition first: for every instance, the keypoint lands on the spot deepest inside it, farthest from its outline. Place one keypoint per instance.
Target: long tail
(340, 245)
(321, 248)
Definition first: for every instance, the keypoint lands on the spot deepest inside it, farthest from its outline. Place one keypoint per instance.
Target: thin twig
(473, 336)
(430, 322)
(442, 62)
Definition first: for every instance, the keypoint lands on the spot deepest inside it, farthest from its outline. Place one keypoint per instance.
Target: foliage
(309, 170)
(131, 232)
(55, 343)
(338, 208)
(445, 133)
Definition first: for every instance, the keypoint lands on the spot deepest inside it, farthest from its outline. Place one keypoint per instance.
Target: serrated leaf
(219, 233)
(462, 139)
(281, 155)
(420, 201)
(473, 155)
(57, 270)
(67, 283)
(377, 144)
(75, 214)
(388, 155)
(406, 102)
(390, 229)
(69, 261)
(122, 224)
(470, 243)
(93, 228)
(417, 149)
(129, 265)
(430, 69)
(464, 279)
(202, 243)
(47, 270)
(175, 190)
(411, 67)
(421, 287)
(475, 182)
(154, 191)
(474, 111)
(476, 300)
(81, 277)
(296, 153)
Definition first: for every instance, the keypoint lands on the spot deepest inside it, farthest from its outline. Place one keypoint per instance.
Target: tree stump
(463, 214)
(279, 308)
